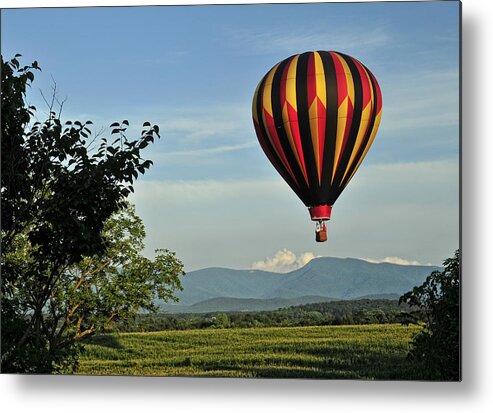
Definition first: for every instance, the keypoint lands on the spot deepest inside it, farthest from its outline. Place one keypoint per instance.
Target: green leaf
(114, 124)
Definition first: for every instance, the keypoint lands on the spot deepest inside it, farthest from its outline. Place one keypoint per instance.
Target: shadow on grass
(105, 340)
(327, 364)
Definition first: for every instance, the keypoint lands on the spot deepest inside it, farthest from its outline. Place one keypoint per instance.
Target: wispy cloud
(216, 192)
(426, 99)
(204, 151)
(282, 41)
(216, 124)
(200, 125)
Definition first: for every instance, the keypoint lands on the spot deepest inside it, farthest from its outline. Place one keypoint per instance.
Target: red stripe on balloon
(311, 81)
(342, 90)
(365, 84)
(378, 94)
(347, 128)
(274, 139)
(322, 124)
(273, 158)
(295, 131)
(292, 118)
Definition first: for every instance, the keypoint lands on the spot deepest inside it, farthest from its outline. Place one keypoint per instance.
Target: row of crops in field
(337, 352)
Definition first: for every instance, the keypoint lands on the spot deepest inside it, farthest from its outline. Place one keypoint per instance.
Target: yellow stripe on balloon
(320, 76)
(342, 114)
(313, 115)
(368, 145)
(291, 83)
(363, 126)
(267, 107)
(267, 95)
(313, 111)
(365, 119)
(254, 103)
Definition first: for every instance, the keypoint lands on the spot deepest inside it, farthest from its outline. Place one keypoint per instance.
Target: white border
(122, 394)
(89, 3)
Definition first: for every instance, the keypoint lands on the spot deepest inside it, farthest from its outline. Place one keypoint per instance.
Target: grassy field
(337, 352)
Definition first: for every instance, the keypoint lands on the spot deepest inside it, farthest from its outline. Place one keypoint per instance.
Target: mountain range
(322, 279)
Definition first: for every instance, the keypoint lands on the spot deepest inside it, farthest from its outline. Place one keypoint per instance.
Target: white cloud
(283, 261)
(394, 260)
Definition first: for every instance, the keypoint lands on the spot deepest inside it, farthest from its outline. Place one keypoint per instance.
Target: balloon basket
(321, 236)
(321, 231)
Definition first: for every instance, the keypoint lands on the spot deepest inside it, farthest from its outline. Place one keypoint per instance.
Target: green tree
(312, 318)
(59, 190)
(221, 320)
(438, 345)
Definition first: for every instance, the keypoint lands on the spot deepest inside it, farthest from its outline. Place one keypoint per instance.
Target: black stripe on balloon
(368, 131)
(271, 153)
(282, 134)
(305, 131)
(330, 124)
(355, 124)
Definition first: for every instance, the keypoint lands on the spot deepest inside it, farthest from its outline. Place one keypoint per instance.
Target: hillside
(326, 277)
(242, 304)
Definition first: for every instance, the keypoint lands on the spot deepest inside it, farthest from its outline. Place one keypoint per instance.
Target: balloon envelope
(316, 115)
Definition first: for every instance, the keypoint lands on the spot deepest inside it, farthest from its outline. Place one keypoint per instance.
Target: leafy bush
(437, 347)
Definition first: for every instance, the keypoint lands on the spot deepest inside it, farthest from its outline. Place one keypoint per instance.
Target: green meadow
(375, 352)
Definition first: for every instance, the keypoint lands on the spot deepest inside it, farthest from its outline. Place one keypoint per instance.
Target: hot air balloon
(316, 115)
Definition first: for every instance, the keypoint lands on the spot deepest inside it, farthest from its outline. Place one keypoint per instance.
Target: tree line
(364, 311)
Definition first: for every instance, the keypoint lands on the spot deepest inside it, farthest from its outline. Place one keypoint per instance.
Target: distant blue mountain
(337, 278)
(242, 304)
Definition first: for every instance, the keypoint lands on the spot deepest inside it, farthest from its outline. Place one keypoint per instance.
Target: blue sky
(212, 196)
